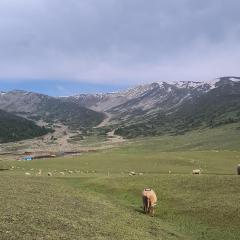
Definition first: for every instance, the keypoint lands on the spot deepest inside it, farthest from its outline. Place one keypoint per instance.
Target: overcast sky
(117, 42)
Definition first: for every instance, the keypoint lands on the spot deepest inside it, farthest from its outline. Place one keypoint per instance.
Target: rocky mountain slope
(49, 109)
(141, 97)
(220, 105)
(162, 107)
(150, 109)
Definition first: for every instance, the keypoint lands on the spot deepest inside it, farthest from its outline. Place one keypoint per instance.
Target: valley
(85, 175)
(96, 198)
(147, 110)
(119, 120)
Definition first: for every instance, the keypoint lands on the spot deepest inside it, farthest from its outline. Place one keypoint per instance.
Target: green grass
(103, 202)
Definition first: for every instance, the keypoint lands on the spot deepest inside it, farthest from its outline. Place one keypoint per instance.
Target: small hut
(28, 158)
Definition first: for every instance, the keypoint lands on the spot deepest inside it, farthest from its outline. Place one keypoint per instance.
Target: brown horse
(149, 201)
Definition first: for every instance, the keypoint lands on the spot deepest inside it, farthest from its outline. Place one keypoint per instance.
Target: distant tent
(28, 158)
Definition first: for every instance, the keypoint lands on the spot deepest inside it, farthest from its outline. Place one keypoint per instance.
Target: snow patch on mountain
(188, 84)
(234, 79)
(211, 83)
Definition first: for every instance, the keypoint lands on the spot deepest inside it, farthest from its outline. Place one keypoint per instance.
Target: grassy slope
(107, 206)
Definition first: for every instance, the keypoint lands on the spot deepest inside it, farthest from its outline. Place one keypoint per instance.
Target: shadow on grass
(139, 210)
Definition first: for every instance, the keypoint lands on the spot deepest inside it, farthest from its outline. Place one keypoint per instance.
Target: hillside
(219, 106)
(147, 110)
(69, 205)
(14, 128)
(42, 107)
(173, 108)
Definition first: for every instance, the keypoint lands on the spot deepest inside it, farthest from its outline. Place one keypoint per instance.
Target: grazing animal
(49, 174)
(149, 199)
(238, 169)
(27, 174)
(132, 173)
(62, 173)
(39, 172)
(196, 171)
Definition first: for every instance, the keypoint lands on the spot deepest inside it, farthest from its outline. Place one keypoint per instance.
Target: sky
(63, 47)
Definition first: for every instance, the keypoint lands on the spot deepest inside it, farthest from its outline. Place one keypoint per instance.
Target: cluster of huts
(40, 155)
(28, 156)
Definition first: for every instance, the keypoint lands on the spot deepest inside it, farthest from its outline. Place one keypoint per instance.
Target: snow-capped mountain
(186, 107)
(150, 102)
(148, 96)
(148, 109)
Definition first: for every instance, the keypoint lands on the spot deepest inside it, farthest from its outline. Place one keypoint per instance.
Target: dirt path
(105, 121)
(58, 141)
(113, 138)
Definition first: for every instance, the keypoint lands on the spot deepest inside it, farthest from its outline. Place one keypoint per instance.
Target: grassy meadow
(99, 200)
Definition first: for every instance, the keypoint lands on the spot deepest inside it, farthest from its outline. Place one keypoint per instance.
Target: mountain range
(161, 107)
(151, 109)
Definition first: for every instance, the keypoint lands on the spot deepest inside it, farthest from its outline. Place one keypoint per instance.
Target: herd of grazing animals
(149, 197)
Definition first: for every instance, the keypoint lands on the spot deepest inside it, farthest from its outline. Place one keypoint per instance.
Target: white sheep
(27, 174)
(49, 174)
(39, 172)
(196, 171)
(132, 173)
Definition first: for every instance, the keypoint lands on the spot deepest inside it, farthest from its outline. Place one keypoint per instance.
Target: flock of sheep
(55, 172)
(132, 173)
(149, 197)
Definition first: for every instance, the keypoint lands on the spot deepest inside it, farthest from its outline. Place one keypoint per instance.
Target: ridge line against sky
(60, 88)
(110, 44)
(66, 88)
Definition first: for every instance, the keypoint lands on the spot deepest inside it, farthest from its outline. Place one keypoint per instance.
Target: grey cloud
(113, 41)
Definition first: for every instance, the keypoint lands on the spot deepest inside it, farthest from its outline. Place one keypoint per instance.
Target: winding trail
(112, 137)
(105, 121)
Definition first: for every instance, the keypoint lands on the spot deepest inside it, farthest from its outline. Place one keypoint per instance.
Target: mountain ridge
(150, 109)
(38, 106)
